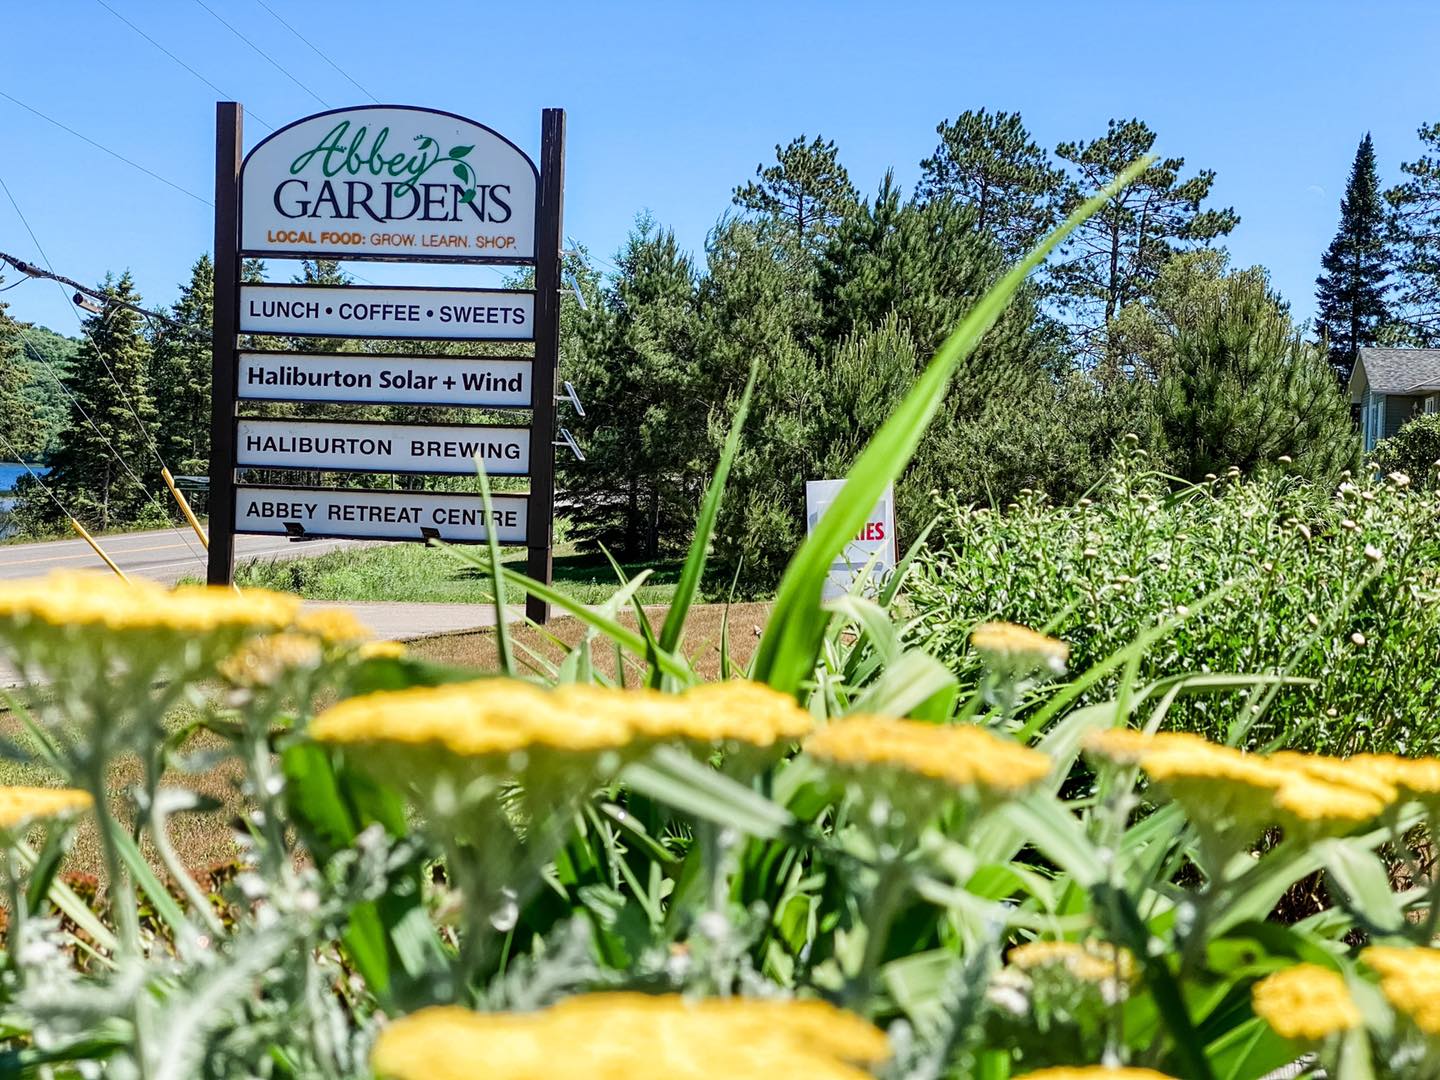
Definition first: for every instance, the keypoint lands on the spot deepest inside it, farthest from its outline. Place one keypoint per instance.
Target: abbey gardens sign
(383, 183)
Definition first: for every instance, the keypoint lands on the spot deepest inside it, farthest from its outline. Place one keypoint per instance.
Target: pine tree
(1414, 235)
(104, 462)
(181, 374)
(17, 423)
(635, 372)
(989, 162)
(1350, 291)
(1246, 388)
(1115, 257)
(801, 197)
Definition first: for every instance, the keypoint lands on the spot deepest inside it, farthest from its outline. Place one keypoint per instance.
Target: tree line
(836, 294)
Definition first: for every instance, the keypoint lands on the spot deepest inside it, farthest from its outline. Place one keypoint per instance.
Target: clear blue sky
(672, 103)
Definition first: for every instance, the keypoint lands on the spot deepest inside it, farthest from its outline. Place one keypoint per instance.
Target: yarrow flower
(21, 807)
(262, 661)
(487, 723)
(1088, 961)
(962, 757)
(334, 625)
(636, 1036)
(1017, 651)
(1410, 981)
(1307, 1002)
(67, 600)
(1225, 788)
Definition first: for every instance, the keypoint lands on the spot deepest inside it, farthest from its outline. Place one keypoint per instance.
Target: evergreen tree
(17, 423)
(1246, 388)
(47, 358)
(989, 162)
(639, 432)
(1115, 257)
(112, 420)
(1414, 236)
(182, 369)
(1350, 291)
(801, 197)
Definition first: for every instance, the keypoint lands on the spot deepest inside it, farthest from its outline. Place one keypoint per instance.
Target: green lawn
(419, 574)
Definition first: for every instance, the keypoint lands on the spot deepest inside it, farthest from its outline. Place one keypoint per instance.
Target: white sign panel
(875, 539)
(394, 312)
(379, 515)
(382, 448)
(388, 182)
(350, 379)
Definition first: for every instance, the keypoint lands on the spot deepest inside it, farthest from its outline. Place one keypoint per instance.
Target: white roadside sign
(388, 312)
(389, 182)
(384, 448)
(379, 515)
(874, 544)
(365, 379)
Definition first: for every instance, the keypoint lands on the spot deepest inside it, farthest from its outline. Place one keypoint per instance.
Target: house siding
(1399, 411)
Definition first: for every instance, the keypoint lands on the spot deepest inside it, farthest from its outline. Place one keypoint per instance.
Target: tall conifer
(1350, 291)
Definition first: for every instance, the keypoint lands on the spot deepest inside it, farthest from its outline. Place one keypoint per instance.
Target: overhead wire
(263, 123)
(316, 50)
(270, 59)
(144, 432)
(106, 149)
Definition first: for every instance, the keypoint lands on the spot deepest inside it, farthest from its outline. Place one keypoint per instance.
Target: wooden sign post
(399, 184)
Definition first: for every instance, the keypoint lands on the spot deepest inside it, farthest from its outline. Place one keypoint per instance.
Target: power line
(106, 149)
(139, 424)
(272, 61)
(316, 50)
(100, 354)
(177, 60)
(32, 271)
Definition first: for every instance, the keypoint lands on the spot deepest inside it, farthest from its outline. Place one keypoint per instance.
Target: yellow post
(184, 507)
(80, 530)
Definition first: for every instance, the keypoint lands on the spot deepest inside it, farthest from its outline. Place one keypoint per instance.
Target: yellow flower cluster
(333, 625)
(1094, 1072)
(262, 661)
(69, 599)
(1219, 785)
(1418, 778)
(499, 717)
(1017, 650)
(959, 756)
(21, 806)
(1088, 961)
(634, 1036)
(1306, 1002)
(1410, 981)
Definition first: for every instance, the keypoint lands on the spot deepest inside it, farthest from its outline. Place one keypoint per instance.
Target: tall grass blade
(694, 569)
(793, 636)
(497, 584)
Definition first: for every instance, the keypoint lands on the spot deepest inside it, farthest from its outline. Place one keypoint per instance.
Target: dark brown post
(228, 155)
(548, 233)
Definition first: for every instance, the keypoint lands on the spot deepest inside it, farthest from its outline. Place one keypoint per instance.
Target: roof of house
(1396, 371)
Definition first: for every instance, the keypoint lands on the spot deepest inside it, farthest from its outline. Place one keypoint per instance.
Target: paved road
(164, 555)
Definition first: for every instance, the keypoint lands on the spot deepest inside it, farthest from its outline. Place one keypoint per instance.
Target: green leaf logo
(467, 195)
(462, 172)
(460, 151)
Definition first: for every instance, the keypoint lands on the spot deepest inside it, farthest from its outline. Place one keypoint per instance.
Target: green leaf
(497, 583)
(460, 151)
(694, 569)
(1365, 886)
(467, 195)
(913, 684)
(462, 172)
(793, 636)
(679, 781)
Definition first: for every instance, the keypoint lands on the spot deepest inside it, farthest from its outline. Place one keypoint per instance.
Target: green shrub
(1339, 589)
(1413, 450)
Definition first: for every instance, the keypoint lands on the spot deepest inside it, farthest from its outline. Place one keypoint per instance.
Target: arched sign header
(389, 182)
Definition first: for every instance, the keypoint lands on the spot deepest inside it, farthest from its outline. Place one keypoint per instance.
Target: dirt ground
(205, 840)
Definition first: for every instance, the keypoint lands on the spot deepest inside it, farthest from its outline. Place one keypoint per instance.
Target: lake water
(9, 473)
